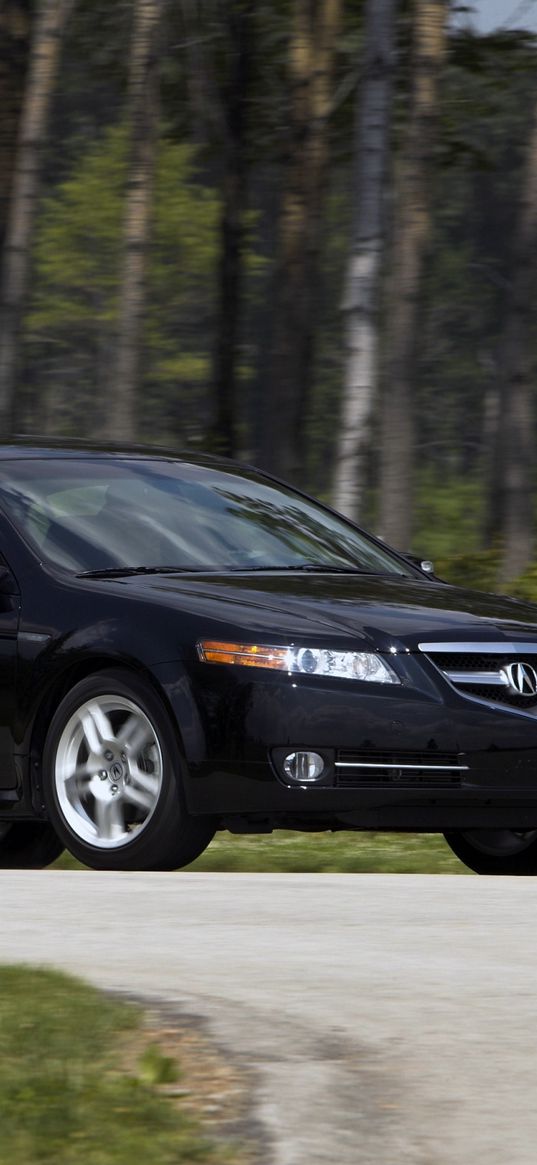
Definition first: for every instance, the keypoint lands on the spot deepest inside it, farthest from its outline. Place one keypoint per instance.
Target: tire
(28, 845)
(496, 851)
(112, 779)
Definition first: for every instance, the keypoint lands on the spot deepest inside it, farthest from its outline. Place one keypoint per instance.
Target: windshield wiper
(324, 568)
(305, 567)
(124, 571)
(311, 567)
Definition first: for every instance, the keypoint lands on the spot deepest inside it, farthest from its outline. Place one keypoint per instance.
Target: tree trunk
(311, 55)
(410, 237)
(14, 45)
(360, 303)
(45, 54)
(234, 100)
(492, 460)
(516, 381)
(143, 133)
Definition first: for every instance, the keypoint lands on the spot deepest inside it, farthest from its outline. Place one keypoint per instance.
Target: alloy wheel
(108, 771)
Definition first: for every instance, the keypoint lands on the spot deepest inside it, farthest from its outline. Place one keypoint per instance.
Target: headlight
(308, 661)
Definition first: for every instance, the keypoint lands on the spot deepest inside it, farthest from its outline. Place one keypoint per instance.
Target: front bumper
(231, 725)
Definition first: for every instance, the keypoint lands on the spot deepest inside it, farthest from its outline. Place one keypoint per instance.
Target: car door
(9, 623)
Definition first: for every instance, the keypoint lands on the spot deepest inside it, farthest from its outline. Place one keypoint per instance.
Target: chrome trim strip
(33, 637)
(494, 678)
(491, 702)
(427, 768)
(499, 647)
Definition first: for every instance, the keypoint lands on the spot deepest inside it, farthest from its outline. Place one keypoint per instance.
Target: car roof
(27, 447)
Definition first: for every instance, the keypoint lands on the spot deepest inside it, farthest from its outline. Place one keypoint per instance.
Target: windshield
(108, 514)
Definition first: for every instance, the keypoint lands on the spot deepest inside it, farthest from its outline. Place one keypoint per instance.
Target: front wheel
(496, 851)
(111, 771)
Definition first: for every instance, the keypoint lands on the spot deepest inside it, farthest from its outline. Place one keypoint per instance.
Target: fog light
(303, 766)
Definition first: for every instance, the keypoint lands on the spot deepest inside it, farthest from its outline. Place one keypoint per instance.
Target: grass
(328, 853)
(66, 1096)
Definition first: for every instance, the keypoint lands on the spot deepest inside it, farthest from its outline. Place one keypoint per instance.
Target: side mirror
(424, 564)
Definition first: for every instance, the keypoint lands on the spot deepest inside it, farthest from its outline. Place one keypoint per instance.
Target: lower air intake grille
(433, 770)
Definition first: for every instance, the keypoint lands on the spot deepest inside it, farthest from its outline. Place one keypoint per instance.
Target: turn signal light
(247, 654)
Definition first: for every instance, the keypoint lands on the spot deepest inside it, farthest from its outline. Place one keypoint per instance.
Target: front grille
(471, 661)
(476, 672)
(368, 767)
(497, 695)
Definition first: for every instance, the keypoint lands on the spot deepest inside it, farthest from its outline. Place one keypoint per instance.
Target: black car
(188, 645)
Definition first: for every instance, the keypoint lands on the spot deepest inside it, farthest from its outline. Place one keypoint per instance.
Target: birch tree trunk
(143, 135)
(517, 383)
(315, 25)
(42, 70)
(410, 237)
(360, 303)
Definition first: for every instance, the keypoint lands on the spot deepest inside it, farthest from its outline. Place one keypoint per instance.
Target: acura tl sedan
(188, 645)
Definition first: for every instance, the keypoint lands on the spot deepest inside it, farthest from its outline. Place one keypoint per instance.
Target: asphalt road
(389, 1019)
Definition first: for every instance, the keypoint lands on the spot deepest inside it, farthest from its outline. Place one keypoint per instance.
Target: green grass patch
(331, 853)
(66, 1097)
(286, 851)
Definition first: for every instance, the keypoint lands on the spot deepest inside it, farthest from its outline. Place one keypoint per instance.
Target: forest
(300, 233)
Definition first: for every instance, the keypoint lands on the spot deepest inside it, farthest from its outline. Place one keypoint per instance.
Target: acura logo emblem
(522, 678)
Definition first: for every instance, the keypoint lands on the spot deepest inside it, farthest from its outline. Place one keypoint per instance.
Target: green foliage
(481, 139)
(77, 262)
(483, 128)
(448, 514)
(477, 571)
(525, 587)
(78, 245)
(448, 530)
(65, 1098)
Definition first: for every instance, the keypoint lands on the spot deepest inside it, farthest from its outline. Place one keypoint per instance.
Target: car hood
(381, 611)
